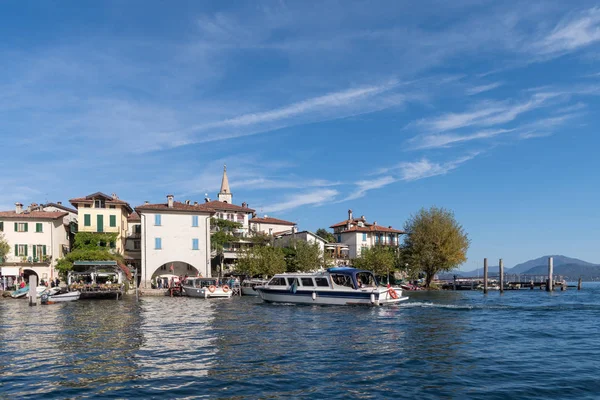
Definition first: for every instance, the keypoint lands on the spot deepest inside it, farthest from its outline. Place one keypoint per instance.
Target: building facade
(358, 234)
(175, 239)
(99, 213)
(271, 226)
(133, 242)
(37, 239)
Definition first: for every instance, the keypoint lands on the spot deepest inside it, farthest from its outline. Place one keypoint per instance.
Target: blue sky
(486, 108)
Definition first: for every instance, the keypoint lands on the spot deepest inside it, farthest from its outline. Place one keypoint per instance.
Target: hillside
(557, 261)
(570, 272)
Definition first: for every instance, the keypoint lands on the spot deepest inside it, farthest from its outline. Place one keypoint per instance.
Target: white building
(285, 239)
(175, 239)
(271, 226)
(358, 234)
(133, 244)
(37, 238)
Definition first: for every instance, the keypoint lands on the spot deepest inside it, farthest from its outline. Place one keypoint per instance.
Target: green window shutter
(113, 220)
(99, 223)
(87, 220)
(38, 227)
(1, 226)
(26, 246)
(26, 228)
(16, 249)
(16, 227)
(34, 250)
(44, 250)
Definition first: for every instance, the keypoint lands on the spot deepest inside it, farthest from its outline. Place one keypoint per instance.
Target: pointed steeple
(225, 193)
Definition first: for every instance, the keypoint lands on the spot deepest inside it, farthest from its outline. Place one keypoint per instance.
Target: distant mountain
(569, 272)
(557, 262)
(539, 263)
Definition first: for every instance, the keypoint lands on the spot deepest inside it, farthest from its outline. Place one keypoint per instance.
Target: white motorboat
(335, 286)
(61, 298)
(205, 288)
(249, 285)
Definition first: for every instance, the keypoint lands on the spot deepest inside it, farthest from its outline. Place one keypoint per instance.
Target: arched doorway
(27, 273)
(172, 271)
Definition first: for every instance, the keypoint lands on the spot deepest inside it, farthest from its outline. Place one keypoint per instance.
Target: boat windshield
(365, 279)
(342, 280)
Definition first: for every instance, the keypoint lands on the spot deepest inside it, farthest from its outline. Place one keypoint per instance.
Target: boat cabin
(344, 277)
(200, 282)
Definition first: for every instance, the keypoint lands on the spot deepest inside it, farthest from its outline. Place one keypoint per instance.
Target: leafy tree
(4, 247)
(303, 256)
(328, 236)
(382, 260)
(262, 261)
(435, 242)
(223, 235)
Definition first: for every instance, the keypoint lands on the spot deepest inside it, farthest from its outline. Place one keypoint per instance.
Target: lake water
(522, 344)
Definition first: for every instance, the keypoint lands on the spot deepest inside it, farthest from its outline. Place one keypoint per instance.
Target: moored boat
(17, 294)
(249, 286)
(61, 298)
(335, 286)
(205, 288)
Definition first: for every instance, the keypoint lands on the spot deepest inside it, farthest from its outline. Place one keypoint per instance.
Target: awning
(9, 271)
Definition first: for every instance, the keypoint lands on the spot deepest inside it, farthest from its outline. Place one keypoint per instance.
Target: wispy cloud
(445, 140)
(572, 33)
(364, 186)
(483, 88)
(315, 197)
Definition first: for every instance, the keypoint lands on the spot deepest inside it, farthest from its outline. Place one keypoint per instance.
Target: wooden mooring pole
(501, 273)
(579, 284)
(549, 285)
(485, 276)
(32, 290)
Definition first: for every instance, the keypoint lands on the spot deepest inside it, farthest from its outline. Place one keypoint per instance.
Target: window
(87, 220)
(230, 217)
(1, 226)
(38, 227)
(194, 244)
(87, 206)
(291, 281)
(112, 206)
(342, 280)
(194, 220)
(307, 282)
(157, 219)
(364, 237)
(39, 251)
(113, 245)
(137, 228)
(113, 220)
(157, 243)
(21, 250)
(240, 218)
(99, 223)
(339, 238)
(136, 245)
(20, 226)
(277, 281)
(322, 282)
(99, 203)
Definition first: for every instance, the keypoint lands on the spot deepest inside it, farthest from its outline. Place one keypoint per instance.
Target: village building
(271, 226)
(99, 213)
(175, 239)
(37, 239)
(358, 234)
(286, 239)
(133, 242)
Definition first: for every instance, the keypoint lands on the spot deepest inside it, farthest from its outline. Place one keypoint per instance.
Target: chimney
(350, 215)
(294, 229)
(59, 203)
(114, 196)
(206, 199)
(170, 200)
(187, 202)
(253, 215)
(18, 208)
(195, 203)
(146, 202)
(244, 205)
(29, 208)
(266, 216)
(390, 227)
(362, 217)
(374, 222)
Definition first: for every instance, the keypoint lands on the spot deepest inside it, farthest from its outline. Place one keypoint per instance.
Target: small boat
(249, 285)
(205, 288)
(17, 294)
(61, 298)
(335, 286)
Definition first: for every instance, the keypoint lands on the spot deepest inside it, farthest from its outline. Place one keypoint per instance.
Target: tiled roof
(108, 199)
(33, 214)
(269, 220)
(56, 205)
(372, 228)
(133, 217)
(220, 205)
(354, 221)
(177, 206)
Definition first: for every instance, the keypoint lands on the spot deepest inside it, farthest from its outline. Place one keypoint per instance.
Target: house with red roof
(358, 234)
(271, 226)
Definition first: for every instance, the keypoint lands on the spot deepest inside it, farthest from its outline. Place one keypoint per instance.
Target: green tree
(262, 261)
(222, 237)
(328, 236)
(4, 247)
(382, 260)
(435, 242)
(301, 256)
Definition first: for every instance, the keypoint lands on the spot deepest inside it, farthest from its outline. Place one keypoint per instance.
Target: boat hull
(64, 297)
(204, 293)
(331, 297)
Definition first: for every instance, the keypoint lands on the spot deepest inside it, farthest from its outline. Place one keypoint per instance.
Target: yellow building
(99, 212)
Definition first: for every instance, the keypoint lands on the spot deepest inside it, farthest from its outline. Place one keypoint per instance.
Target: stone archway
(174, 269)
(27, 272)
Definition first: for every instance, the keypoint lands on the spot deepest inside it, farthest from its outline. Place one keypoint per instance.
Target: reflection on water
(446, 344)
